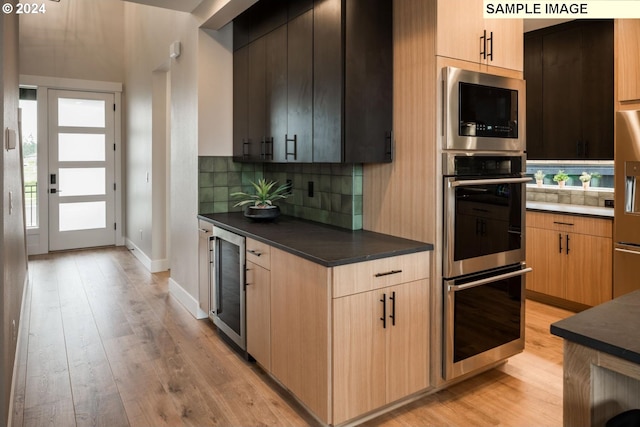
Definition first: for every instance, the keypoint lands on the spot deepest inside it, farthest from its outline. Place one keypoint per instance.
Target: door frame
(38, 238)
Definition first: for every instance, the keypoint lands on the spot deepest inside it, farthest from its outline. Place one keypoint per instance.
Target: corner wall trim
(185, 298)
(154, 266)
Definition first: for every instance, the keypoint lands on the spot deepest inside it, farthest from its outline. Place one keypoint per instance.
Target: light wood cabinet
(571, 257)
(627, 46)
(464, 34)
(318, 330)
(380, 348)
(258, 302)
(300, 329)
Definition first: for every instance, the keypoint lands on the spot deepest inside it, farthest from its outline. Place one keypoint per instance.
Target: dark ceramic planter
(262, 214)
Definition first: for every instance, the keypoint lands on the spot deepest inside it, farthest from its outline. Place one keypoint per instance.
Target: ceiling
(179, 5)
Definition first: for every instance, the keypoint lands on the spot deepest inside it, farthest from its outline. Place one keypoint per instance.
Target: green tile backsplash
(337, 188)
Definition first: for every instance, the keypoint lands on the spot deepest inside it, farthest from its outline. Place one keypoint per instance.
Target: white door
(81, 170)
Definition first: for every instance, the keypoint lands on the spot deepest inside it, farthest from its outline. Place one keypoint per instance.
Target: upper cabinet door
(464, 34)
(460, 25)
(299, 137)
(628, 61)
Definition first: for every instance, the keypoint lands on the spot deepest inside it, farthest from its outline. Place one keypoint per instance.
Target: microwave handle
(481, 282)
(470, 182)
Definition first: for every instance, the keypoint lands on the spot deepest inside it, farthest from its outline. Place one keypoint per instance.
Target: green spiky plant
(266, 193)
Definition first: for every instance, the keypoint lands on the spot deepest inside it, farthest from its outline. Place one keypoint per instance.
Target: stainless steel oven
(484, 211)
(228, 293)
(482, 111)
(483, 318)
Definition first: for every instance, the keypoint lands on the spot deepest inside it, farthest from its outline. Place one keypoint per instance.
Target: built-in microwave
(483, 112)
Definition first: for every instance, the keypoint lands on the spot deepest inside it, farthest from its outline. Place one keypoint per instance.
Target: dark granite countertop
(612, 327)
(323, 244)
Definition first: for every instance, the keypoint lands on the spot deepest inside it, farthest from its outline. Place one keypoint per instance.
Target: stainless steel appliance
(484, 205)
(626, 224)
(228, 293)
(483, 319)
(482, 111)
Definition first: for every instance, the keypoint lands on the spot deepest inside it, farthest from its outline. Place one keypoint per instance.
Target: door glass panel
(81, 147)
(229, 281)
(83, 216)
(81, 112)
(82, 181)
(29, 106)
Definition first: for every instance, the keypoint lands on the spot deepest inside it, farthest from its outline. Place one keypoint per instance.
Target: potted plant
(595, 179)
(260, 205)
(561, 178)
(585, 178)
(539, 176)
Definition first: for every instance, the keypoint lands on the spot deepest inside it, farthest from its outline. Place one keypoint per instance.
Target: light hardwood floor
(106, 345)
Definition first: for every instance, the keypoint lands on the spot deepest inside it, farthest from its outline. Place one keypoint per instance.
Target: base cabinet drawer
(368, 275)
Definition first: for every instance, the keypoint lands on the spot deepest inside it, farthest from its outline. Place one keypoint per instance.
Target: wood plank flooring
(108, 346)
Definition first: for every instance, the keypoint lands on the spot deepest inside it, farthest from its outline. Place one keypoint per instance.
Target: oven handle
(469, 182)
(481, 282)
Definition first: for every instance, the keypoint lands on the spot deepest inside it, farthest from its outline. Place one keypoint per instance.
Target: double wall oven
(483, 220)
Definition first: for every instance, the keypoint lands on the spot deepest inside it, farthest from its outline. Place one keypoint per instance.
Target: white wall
(215, 91)
(74, 39)
(13, 258)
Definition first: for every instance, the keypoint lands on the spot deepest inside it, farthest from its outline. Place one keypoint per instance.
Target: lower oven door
(483, 319)
(483, 224)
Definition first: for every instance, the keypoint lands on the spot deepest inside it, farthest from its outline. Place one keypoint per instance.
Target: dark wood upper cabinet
(569, 74)
(336, 66)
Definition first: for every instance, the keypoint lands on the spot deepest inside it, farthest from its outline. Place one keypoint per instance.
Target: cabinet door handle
(567, 244)
(388, 273)
(384, 311)
(245, 147)
(389, 151)
(559, 243)
(287, 140)
(483, 44)
(254, 252)
(490, 40)
(392, 298)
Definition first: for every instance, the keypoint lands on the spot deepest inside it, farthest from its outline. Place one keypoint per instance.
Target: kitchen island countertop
(323, 244)
(610, 328)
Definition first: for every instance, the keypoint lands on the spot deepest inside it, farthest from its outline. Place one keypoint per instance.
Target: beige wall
(75, 39)
(12, 235)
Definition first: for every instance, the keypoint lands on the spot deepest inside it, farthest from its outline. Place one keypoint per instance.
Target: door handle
(384, 311)
(54, 191)
(567, 244)
(559, 243)
(392, 298)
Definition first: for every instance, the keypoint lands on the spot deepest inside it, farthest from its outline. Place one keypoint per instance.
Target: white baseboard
(25, 315)
(154, 266)
(185, 298)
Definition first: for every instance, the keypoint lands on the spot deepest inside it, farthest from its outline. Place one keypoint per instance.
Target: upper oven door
(483, 224)
(482, 111)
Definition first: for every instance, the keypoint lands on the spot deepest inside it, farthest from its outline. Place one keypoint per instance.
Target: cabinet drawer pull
(567, 244)
(254, 252)
(388, 273)
(562, 223)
